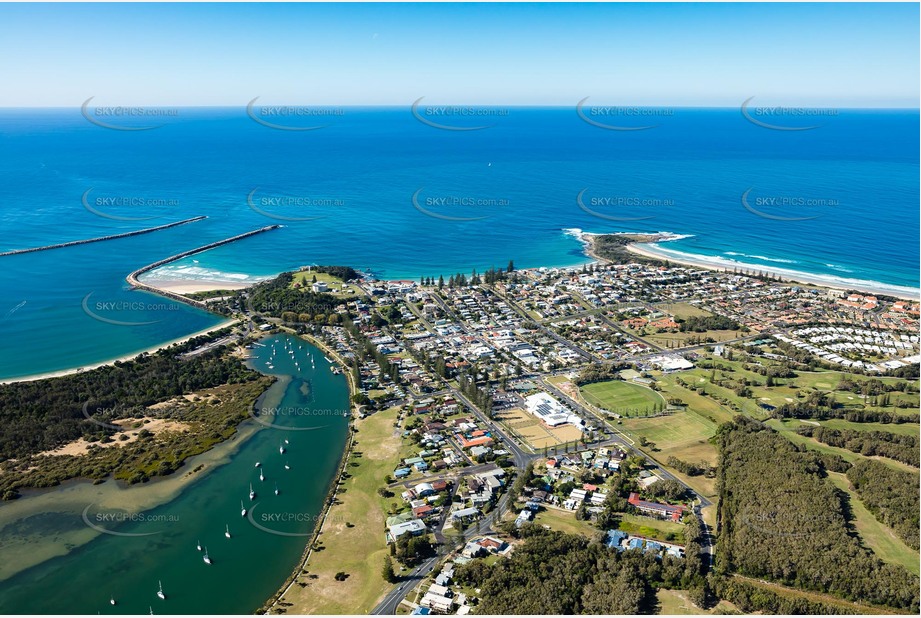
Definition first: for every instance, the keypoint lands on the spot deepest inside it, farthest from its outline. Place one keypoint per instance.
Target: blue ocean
(380, 190)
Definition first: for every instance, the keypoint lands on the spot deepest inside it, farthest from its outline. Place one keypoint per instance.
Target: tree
(387, 571)
(511, 266)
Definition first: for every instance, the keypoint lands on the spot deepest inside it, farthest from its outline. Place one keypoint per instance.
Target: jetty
(133, 281)
(85, 241)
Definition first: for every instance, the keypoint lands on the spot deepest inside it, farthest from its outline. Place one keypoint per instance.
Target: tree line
(45, 414)
(557, 573)
(869, 443)
(780, 519)
(891, 495)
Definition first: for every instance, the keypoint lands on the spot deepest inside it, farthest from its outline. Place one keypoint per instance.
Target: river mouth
(68, 550)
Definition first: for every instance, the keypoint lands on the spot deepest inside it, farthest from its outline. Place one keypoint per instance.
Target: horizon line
(480, 105)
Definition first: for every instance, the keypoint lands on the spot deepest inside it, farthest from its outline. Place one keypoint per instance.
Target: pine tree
(511, 266)
(387, 571)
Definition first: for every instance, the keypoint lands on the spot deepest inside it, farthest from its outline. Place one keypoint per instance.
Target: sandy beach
(187, 286)
(654, 250)
(127, 357)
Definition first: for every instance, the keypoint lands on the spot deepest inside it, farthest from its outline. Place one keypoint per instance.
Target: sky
(842, 54)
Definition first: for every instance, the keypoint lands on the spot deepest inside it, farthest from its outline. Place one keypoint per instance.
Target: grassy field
(682, 310)
(563, 521)
(676, 603)
(670, 433)
(649, 527)
(703, 406)
(622, 397)
(677, 340)
(358, 549)
(876, 535)
(787, 390)
(336, 285)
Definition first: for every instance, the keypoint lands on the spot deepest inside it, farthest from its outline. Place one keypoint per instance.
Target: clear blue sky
(847, 55)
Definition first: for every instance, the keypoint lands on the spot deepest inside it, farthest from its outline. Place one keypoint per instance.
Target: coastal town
(577, 399)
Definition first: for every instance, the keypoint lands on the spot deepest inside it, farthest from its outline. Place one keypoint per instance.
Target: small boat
(242, 509)
(286, 440)
(276, 489)
(226, 533)
(198, 546)
(281, 449)
(111, 600)
(258, 464)
(160, 592)
(252, 494)
(261, 476)
(206, 557)
(287, 467)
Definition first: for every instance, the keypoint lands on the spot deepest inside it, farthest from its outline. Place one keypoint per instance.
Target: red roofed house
(655, 508)
(482, 441)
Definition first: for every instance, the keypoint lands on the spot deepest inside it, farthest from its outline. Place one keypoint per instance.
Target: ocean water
(379, 190)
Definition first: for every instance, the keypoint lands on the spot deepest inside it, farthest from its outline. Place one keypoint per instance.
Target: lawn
(678, 340)
(623, 398)
(876, 535)
(652, 528)
(358, 549)
(682, 310)
(336, 286)
(704, 406)
(564, 521)
(671, 432)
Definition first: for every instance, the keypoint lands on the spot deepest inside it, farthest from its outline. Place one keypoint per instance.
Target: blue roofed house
(635, 543)
(615, 538)
(401, 473)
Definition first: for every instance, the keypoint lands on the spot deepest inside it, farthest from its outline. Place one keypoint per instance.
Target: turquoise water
(247, 568)
(345, 195)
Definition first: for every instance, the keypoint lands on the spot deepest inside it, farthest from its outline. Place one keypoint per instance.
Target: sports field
(623, 398)
(534, 432)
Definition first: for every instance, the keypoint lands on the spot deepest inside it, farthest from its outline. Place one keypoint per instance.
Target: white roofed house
(415, 527)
